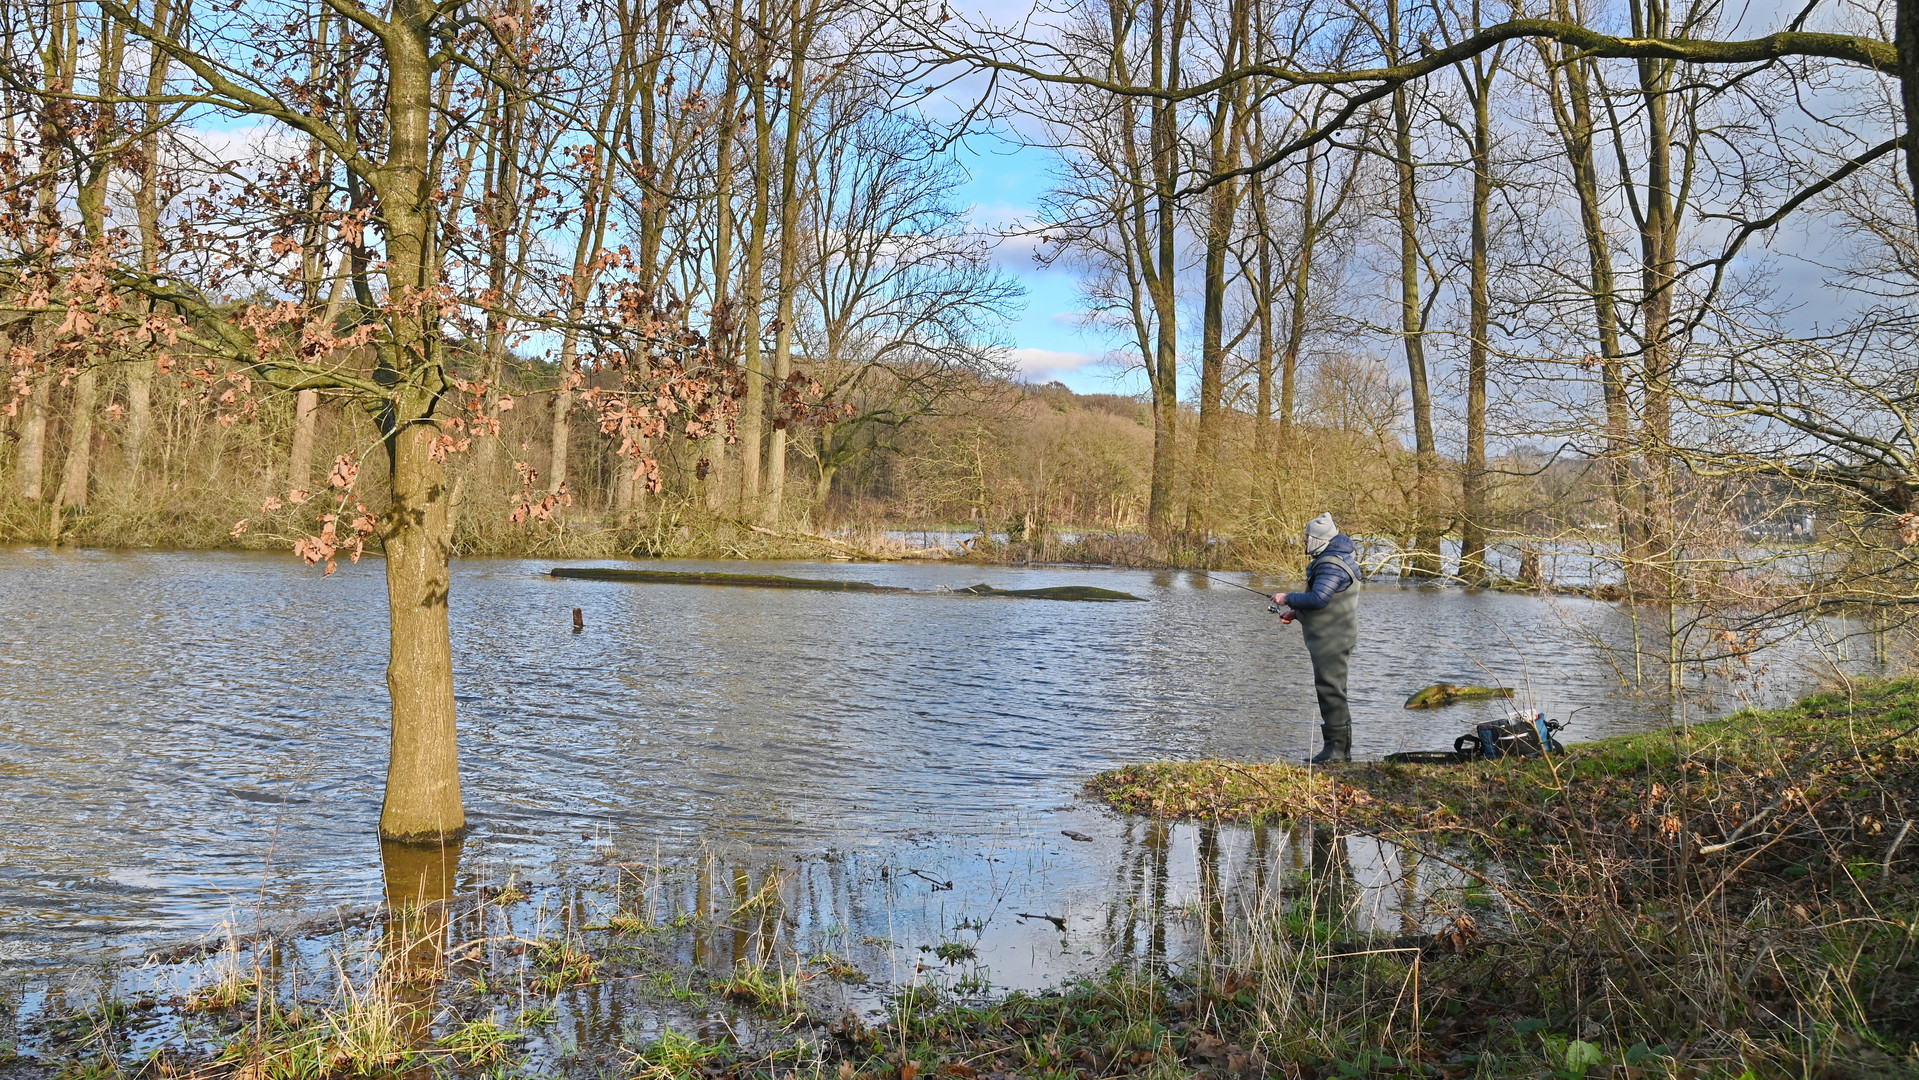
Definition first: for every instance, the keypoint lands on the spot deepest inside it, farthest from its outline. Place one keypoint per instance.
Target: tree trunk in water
(423, 773)
(1572, 113)
(1652, 564)
(1473, 482)
(1161, 259)
(1424, 559)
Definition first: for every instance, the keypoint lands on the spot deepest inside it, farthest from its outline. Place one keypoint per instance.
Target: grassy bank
(1730, 898)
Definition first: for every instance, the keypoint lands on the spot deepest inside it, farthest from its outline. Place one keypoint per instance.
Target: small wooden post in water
(579, 621)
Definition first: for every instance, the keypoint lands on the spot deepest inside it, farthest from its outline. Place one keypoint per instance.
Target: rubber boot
(1338, 748)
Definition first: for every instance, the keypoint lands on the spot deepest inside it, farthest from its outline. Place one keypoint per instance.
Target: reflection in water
(162, 778)
(588, 954)
(1190, 892)
(420, 884)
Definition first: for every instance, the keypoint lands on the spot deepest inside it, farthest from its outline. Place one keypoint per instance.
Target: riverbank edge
(748, 544)
(1787, 836)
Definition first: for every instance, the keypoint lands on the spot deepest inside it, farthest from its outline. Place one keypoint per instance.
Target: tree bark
(96, 168)
(75, 477)
(753, 408)
(1300, 311)
(721, 331)
(146, 208)
(1266, 340)
(29, 463)
(1906, 40)
(1652, 562)
(1227, 141)
(1570, 89)
(788, 283)
(1473, 481)
(423, 772)
(1424, 559)
(1156, 243)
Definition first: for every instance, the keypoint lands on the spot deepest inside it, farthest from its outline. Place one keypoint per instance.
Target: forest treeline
(418, 273)
(703, 265)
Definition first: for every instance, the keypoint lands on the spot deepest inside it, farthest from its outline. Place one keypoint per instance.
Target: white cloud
(1045, 365)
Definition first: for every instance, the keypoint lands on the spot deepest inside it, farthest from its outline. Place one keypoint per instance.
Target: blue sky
(1005, 187)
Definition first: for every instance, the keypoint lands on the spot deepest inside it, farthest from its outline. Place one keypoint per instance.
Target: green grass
(674, 1056)
(1731, 888)
(475, 1042)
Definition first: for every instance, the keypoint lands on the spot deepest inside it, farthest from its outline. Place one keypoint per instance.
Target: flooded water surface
(193, 739)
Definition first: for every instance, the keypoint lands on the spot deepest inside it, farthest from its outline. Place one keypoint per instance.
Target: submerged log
(1058, 592)
(703, 577)
(775, 581)
(1440, 694)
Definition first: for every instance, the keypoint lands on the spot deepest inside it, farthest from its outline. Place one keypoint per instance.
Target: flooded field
(192, 741)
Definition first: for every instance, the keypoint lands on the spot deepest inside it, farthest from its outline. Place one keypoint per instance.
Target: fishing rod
(1271, 605)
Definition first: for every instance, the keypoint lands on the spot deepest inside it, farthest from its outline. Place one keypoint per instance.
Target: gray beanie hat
(1320, 532)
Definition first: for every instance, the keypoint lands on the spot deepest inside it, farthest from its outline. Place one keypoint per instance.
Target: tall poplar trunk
(753, 408)
(91, 201)
(721, 331)
(1227, 139)
(313, 271)
(1424, 559)
(29, 462)
(1653, 561)
(1300, 294)
(1155, 243)
(59, 53)
(146, 208)
(1474, 481)
(596, 201)
(74, 478)
(1570, 88)
(788, 283)
(1266, 341)
(504, 217)
(306, 421)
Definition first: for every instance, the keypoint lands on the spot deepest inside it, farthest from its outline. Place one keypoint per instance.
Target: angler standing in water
(1328, 612)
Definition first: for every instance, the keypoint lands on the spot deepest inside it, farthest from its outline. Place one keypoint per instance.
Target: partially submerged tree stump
(1441, 694)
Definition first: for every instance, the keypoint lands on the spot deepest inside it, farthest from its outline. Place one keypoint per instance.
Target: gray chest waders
(1331, 632)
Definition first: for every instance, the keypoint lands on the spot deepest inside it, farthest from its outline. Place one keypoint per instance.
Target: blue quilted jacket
(1327, 576)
